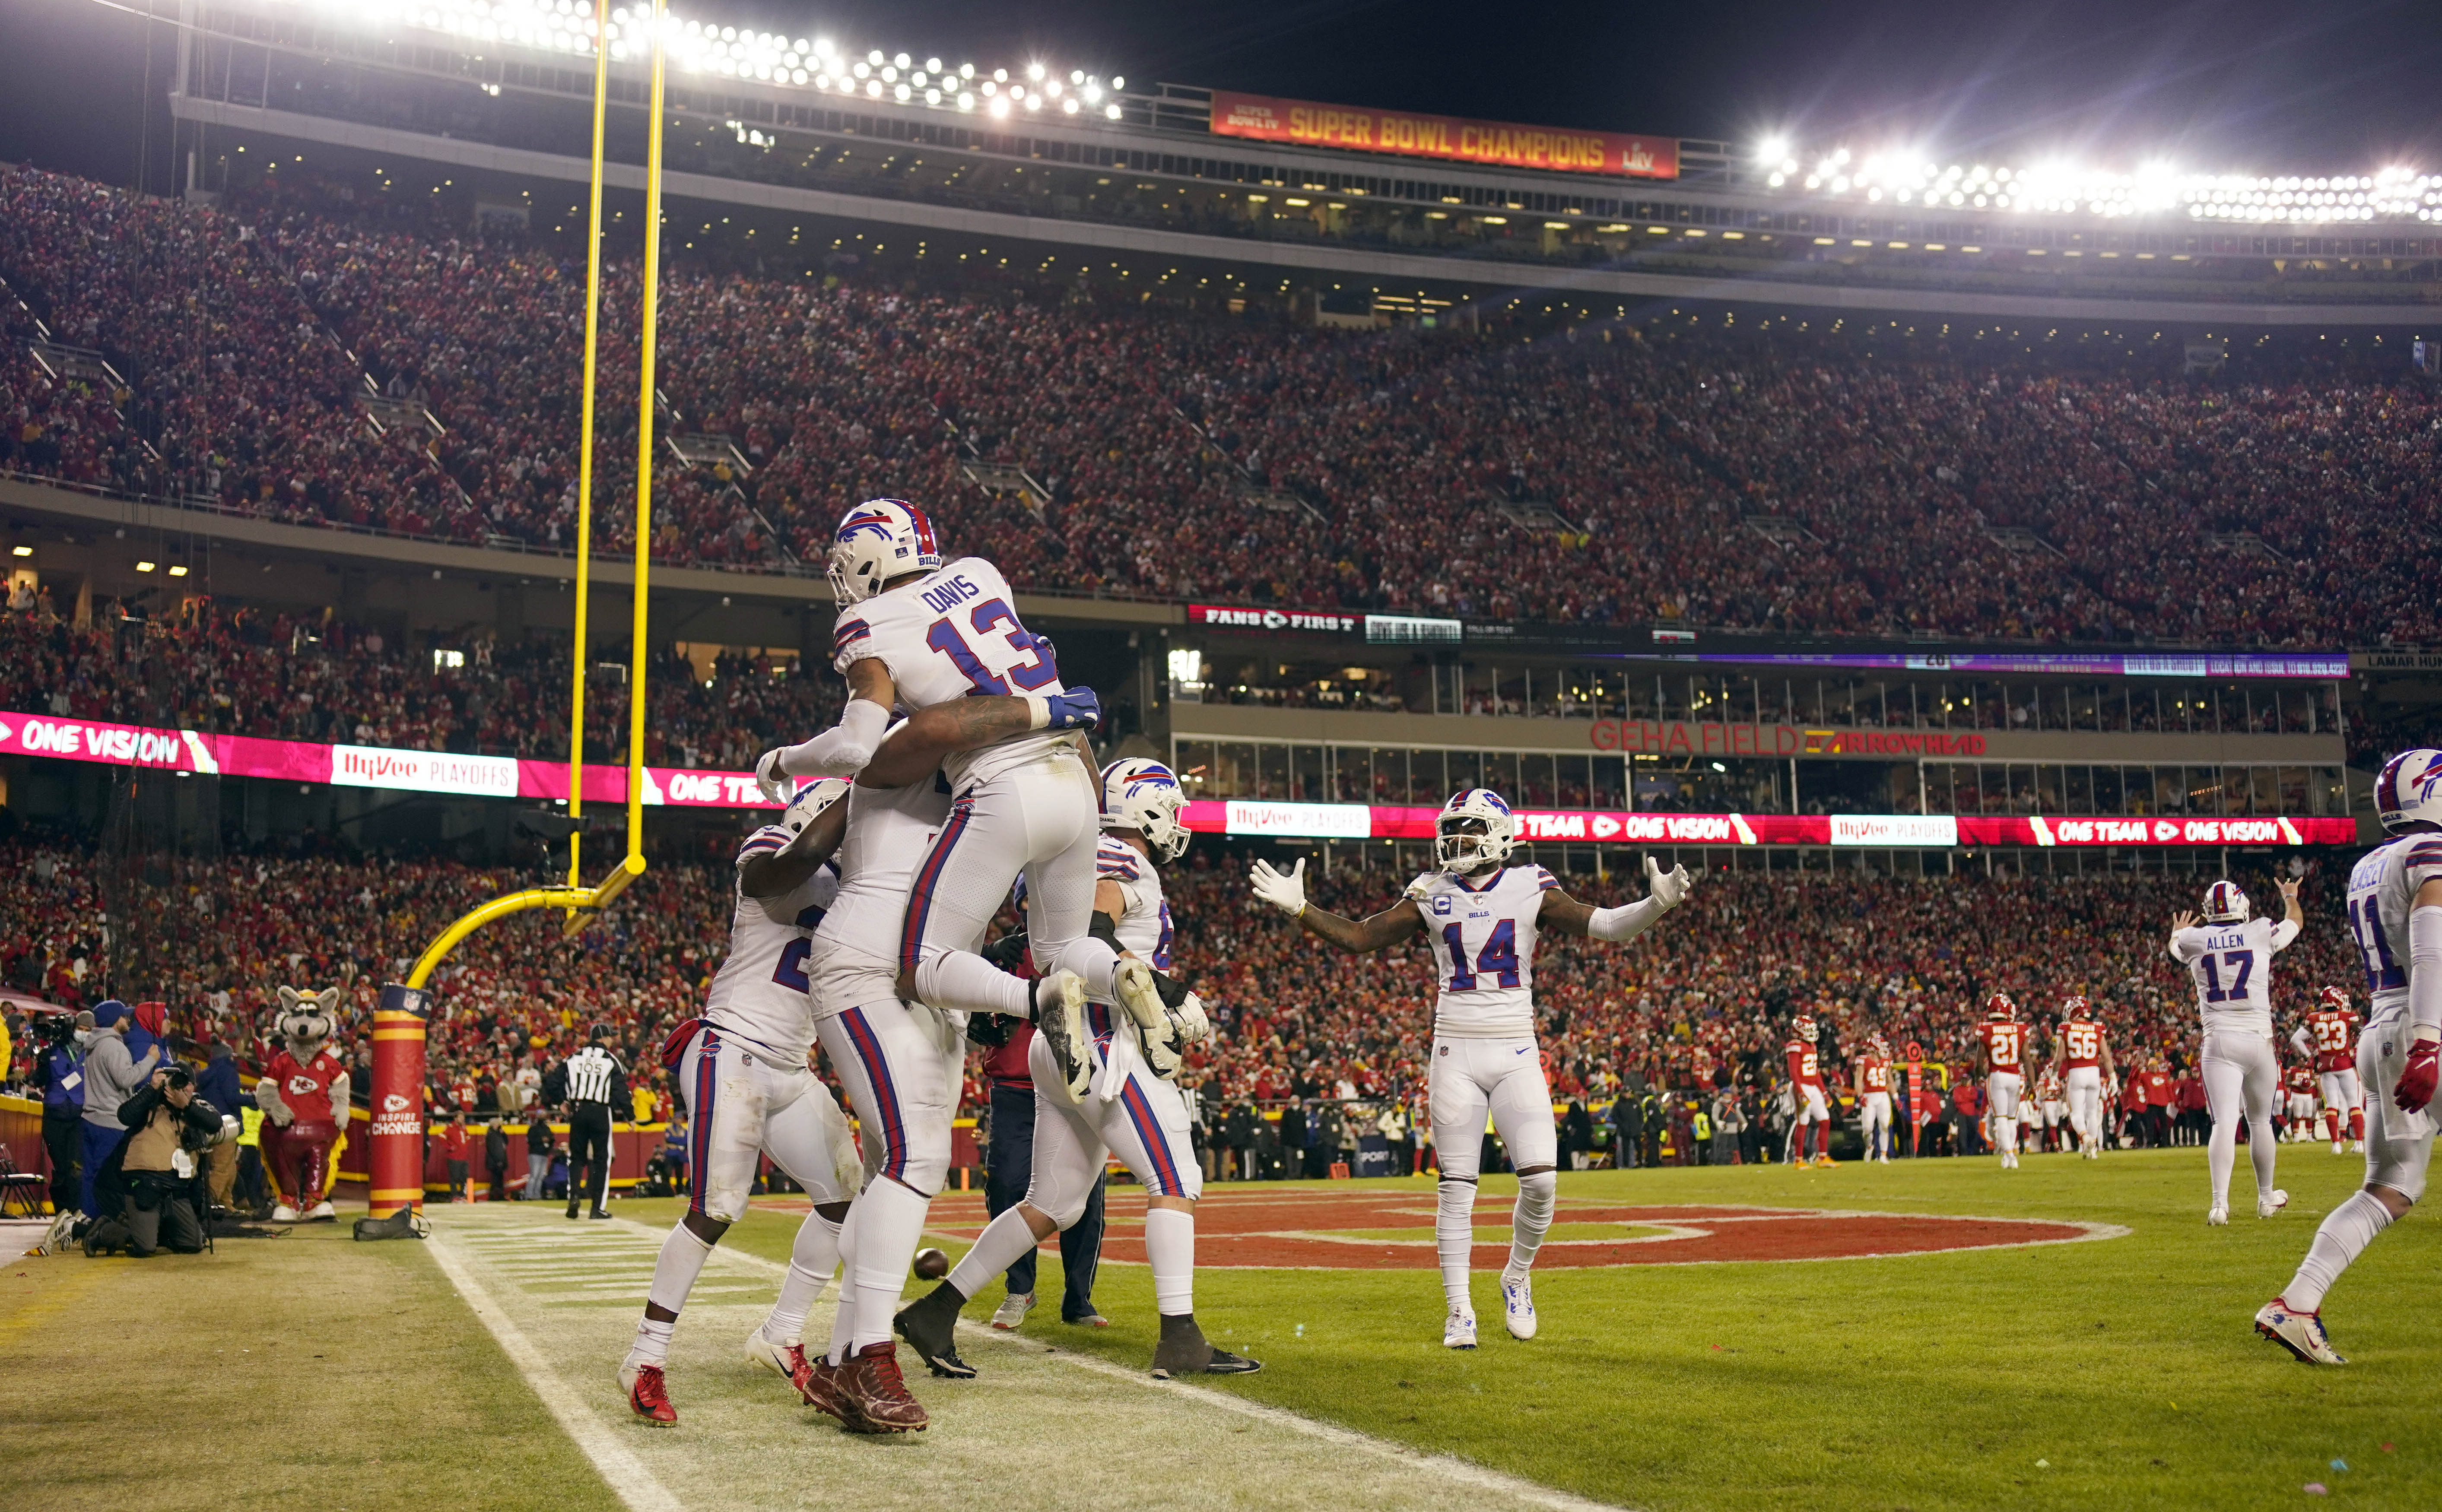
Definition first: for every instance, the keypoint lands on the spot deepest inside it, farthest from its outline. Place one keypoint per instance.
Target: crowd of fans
(1598, 472)
(313, 678)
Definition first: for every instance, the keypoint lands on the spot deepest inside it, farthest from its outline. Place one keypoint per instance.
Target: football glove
(1283, 890)
(1669, 889)
(1076, 709)
(777, 788)
(1194, 1026)
(1009, 952)
(2414, 1089)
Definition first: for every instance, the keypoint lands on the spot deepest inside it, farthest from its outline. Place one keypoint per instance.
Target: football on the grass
(932, 1264)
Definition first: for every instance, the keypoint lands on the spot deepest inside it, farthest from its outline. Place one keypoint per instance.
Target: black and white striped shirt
(591, 1074)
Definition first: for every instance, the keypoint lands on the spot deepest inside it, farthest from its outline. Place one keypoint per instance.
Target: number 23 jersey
(759, 992)
(1482, 933)
(2232, 965)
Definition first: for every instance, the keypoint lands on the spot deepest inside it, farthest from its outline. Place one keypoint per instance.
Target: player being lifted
(1810, 1102)
(2395, 916)
(1480, 915)
(1874, 1096)
(2325, 1035)
(2004, 1040)
(1134, 1109)
(2230, 956)
(2083, 1058)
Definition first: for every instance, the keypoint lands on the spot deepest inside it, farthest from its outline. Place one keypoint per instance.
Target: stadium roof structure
(502, 86)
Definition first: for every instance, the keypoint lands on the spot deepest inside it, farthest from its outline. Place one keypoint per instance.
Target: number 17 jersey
(2232, 968)
(1482, 933)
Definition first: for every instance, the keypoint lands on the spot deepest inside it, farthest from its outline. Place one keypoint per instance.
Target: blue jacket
(62, 1070)
(217, 1084)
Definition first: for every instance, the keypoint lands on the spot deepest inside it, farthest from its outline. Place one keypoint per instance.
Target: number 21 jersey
(1482, 933)
(2232, 968)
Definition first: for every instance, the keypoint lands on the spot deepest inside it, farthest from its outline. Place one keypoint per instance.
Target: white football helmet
(1474, 831)
(878, 541)
(811, 800)
(2407, 795)
(1143, 798)
(2225, 903)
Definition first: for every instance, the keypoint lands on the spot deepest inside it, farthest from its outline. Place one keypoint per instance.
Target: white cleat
(2217, 1215)
(2272, 1202)
(1060, 1019)
(780, 1359)
(1517, 1305)
(2301, 1334)
(1132, 984)
(320, 1209)
(1458, 1330)
(2335, 1146)
(2357, 1147)
(283, 1213)
(1013, 1310)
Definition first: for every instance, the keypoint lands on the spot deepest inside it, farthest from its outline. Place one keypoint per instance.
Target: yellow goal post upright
(396, 1160)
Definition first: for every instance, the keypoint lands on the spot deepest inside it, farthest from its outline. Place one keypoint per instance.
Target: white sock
(2008, 1129)
(681, 1260)
(886, 1247)
(2259, 1149)
(1454, 1239)
(1095, 962)
(810, 1260)
(957, 979)
(652, 1345)
(1531, 1219)
(844, 1316)
(1170, 1247)
(996, 1248)
(2345, 1233)
(2221, 1152)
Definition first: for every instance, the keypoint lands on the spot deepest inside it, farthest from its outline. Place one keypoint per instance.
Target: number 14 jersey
(1482, 933)
(2232, 968)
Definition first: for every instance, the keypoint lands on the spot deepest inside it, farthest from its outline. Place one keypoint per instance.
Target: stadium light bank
(817, 64)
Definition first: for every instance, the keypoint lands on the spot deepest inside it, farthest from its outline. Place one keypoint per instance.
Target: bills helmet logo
(2225, 903)
(2407, 795)
(876, 541)
(1143, 798)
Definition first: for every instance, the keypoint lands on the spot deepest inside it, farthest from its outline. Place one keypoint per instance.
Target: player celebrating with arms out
(2083, 1058)
(2230, 956)
(1481, 916)
(2394, 900)
(2005, 1074)
(2326, 1036)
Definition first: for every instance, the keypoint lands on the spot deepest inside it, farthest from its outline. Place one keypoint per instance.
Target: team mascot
(303, 1095)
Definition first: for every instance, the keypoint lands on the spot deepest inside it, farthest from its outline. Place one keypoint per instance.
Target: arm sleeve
(2183, 946)
(2425, 968)
(2298, 1042)
(843, 750)
(1624, 922)
(2283, 934)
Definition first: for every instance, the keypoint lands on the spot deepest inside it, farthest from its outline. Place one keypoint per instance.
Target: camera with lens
(177, 1076)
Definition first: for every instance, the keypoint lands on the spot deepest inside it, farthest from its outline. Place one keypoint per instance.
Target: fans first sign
(1408, 133)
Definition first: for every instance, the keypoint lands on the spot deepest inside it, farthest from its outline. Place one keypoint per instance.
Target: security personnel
(588, 1085)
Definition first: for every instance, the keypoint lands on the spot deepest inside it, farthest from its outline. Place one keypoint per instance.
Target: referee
(588, 1085)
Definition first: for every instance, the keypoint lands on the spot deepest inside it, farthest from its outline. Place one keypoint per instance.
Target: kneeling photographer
(147, 1186)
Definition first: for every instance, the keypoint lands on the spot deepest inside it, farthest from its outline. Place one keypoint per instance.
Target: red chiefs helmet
(2073, 1006)
(1804, 1028)
(1880, 1046)
(2335, 998)
(1998, 1009)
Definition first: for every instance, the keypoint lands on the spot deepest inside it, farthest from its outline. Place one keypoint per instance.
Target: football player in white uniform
(2230, 956)
(741, 1071)
(1481, 916)
(1134, 1109)
(2395, 916)
(915, 633)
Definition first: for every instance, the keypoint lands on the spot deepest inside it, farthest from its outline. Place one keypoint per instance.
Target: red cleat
(647, 1397)
(876, 1395)
(817, 1381)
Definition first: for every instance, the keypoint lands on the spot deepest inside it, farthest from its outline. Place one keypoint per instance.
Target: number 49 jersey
(759, 992)
(1483, 938)
(2382, 889)
(945, 636)
(2232, 968)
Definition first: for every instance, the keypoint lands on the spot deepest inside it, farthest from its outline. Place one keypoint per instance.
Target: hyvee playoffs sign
(1494, 143)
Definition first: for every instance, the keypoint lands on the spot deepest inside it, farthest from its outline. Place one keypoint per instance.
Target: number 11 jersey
(2232, 968)
(1482, 933)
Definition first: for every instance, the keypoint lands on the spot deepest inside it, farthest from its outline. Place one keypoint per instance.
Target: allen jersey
(759, 992)
(2382, 888)
(2232, 965)
(2329, 1030)
(1875, 1072)
(2082, 1044)
(1483, 938)
(889, 833)
(945, 636)
(2005, 1045)
(1805, 1068)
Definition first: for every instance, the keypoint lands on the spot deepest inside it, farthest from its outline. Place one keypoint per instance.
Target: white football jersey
(759, 992)
(1483, 938)
(2382, 889)
(890, 831)
(953, 632)
(1143, 929)
(2232, 968)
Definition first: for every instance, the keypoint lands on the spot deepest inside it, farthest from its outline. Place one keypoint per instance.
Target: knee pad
(1540, 1191)
(2402, 1172)
(1456, 1195)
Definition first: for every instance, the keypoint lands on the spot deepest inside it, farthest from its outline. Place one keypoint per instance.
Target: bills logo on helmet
(1143, 796)
(2408, 794)
(2225, 903)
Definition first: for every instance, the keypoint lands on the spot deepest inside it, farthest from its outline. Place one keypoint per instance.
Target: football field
(1927, 1335)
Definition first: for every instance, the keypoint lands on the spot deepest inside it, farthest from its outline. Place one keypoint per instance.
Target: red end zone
(1393, 1231)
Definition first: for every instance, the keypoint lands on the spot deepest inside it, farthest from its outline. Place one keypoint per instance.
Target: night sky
(2243, 86)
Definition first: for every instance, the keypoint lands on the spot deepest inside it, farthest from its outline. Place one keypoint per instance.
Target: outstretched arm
(1665, 890)
(846, 747)
(1285, 891)
(2291, 912)
(914, 749)
(2179, 922)
(786, 868)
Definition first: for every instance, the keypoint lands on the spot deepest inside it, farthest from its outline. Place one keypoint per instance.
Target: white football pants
(2242, 1078)
(2085, 1086)
(1875, 1110)
(742, 1101)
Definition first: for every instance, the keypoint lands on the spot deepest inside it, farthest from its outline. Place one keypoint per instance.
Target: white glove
(1194, 1028)
(1667, 888)
(1283, 890)
(775, 784)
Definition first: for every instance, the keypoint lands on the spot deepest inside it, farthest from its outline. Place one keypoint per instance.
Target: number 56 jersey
(2232, 965)
(1481, 932)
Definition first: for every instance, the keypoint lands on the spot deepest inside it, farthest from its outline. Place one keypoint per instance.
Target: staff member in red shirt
(1009, 1162)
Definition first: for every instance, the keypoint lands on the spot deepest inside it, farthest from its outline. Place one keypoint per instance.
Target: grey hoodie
(112, 1076)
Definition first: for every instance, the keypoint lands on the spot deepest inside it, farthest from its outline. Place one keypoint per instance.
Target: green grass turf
(306, 1372)
(1920, 1382)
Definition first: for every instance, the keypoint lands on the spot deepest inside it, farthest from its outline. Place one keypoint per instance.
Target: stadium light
(1772, 149)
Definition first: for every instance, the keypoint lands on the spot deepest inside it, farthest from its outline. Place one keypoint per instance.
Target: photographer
(149, 1182)
(59, 1070)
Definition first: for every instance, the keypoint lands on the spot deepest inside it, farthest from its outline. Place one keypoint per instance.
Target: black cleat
(1185, 1351)
(930, 1325)
(1225, 1363)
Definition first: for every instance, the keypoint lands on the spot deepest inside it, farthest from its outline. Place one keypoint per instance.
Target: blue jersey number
(1037, 670)
(791, 972)
(1498, 959)
(2365, 927)
(2241, 964)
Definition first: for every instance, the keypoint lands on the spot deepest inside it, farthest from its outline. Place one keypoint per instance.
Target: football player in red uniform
(1874, 1097)
(2330, 1035)
(2083, 1057)
(1807, 1099)
(2005, 1065)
